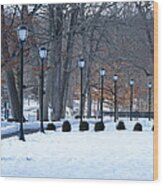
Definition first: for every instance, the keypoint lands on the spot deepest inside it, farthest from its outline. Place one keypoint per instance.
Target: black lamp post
(102, 74)
(22, 32)
(115, 78)
(6, 114)
(43, 55)
(131, 98)
(149, 100)
(81, 64)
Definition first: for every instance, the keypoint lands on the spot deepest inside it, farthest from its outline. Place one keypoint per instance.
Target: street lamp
(115, 78)
(81, 64)
(43, 54)
(22, 33)
(131, 97)
(102, 74)
(149, 100)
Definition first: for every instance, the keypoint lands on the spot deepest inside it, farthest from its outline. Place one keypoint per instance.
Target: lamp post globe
(22, 33)
(81, 63)
(131, 82)
(149, 85)
(115, 77)
(43, 53)
(102, 72)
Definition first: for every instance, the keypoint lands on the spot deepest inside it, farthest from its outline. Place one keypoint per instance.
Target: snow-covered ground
(110, 154)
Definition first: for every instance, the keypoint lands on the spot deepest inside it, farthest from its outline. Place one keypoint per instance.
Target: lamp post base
(21, 137)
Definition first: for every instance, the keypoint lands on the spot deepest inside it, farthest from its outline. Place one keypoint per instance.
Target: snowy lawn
(103, 155)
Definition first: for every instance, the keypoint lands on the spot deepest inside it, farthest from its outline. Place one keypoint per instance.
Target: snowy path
(103, 155)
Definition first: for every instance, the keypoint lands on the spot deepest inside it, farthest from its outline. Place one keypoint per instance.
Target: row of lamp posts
(22, 35)
(22, 32)
(81, 64)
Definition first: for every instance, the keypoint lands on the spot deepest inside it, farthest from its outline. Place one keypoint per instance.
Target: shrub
(51, 126)
(84, 126)
(138, 127)
(99, 126)
(77, 117)
(66, 127)
(121, 126)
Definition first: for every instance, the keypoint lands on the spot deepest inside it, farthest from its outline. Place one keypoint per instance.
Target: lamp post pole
(42, 96)
(102, 74)
(21, 93)
(149, 100)
(81, 64)
(81, 96)
(43, 55)
(22, 32)
(131, 98)
(6, 110)
(115, 78)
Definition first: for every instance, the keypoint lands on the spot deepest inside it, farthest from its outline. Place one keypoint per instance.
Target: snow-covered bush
(138, 127)
(99, 126)
(84, 126)
(121, 126)
(51, 126)
(66, 127)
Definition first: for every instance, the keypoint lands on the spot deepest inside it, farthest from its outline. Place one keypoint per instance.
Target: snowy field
(110, 154)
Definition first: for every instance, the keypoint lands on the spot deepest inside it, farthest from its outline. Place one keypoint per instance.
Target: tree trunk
(68, 62)
(53, 86)
(89, 103)
(12, 94)
(9, 74)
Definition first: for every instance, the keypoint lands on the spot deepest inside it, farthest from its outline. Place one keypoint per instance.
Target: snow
(110, 154)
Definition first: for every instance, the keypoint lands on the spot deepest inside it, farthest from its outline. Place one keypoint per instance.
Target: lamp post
(81, 64)
(149, 100)
(115, 78)
(43, 55)
(22, 32)
(6, 114)
(131, 97)
(102, 74)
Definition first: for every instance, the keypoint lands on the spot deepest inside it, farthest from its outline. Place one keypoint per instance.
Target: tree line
(118, 36)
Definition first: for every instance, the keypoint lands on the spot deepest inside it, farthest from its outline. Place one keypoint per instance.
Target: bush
(121, 126)
(99, 126)
(77, 117)
(66, 127)
(51, 126)
(84, 126)
(138, 127)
